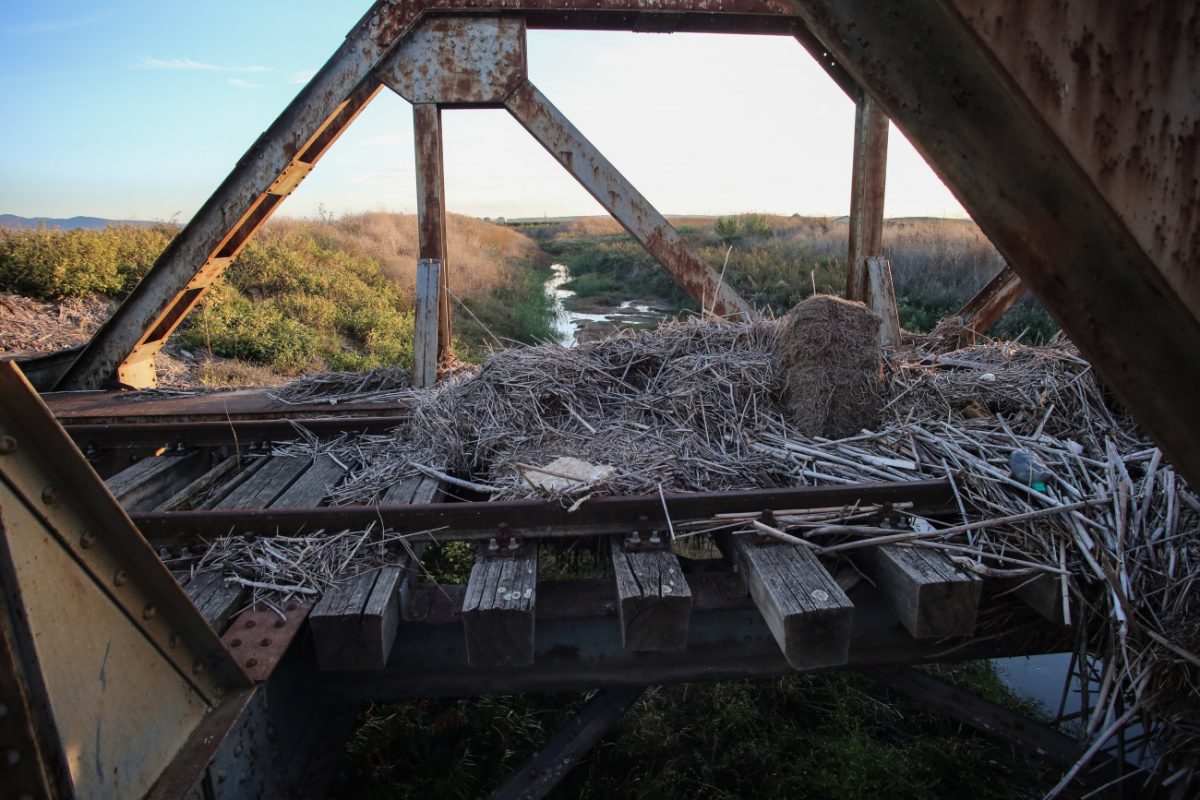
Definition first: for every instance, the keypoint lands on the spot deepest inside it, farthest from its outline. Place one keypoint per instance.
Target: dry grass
(480, 254)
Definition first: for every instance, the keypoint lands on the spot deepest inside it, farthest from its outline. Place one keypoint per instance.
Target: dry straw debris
(696, 405)
(832, 367)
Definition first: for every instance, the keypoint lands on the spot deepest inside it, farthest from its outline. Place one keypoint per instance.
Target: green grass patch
(837, 735)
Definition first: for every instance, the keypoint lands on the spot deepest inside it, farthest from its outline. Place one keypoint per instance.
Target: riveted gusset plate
(124, 665)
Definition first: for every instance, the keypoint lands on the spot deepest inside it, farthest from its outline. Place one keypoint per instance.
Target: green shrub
(51, 264)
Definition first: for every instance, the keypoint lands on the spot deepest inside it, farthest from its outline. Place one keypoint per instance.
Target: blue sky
(139, 109)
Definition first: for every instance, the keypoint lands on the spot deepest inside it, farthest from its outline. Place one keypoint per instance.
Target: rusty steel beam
(627, 205)
(989, 304)
(124, 348)
(431, 215)
(537, 519)
(958, 85)
(868, 179)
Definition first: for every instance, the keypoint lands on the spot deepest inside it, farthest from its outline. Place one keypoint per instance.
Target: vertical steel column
(867, 182)
(431, 219)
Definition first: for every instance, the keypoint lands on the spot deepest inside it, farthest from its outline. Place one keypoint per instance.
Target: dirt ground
(30, 327)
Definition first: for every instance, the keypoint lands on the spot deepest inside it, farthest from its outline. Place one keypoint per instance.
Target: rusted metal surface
(1030, 192)
(989, 304)
(260, 637)
(124, 348)
(34, 761)
(245, 433)
(1117, 84)
(868, 181)
(127, 666)
(431, 217)
(610, 188)
(191, 762)
(239, 404)
(458, 60)
(41, 464)
(535, 519)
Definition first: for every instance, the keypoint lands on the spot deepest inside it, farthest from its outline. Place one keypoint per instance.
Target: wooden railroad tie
(806, 611)
(498, 610)
(653, 598)
(932, 596)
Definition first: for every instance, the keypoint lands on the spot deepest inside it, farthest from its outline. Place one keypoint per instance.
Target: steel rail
(215, 433)
(535, 519)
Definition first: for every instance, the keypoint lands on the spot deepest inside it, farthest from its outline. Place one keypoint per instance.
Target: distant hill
(13, 221)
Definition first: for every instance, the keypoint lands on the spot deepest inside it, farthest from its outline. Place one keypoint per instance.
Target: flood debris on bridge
(1103, 539)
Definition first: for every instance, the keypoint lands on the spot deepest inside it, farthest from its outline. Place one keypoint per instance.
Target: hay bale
(831, 363)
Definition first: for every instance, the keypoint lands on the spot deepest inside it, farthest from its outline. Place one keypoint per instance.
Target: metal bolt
(12, 757)
(49, 496)
(7, 444)
(149, 611)
(87, 539)
(248, 624)
(290, 606)
(251, 663)
(197, 666)
(235, 642)
(279, 623)
(174, 641)
(265, 642)
(120, 577)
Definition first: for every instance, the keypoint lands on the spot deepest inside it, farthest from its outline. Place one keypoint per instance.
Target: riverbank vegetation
(776, 261)
(305, 295)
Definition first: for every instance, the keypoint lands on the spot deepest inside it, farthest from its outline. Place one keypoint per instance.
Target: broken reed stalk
(695, 406)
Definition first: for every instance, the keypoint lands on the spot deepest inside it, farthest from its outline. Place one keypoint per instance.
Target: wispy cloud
(244, 84)
(150, 62)
(55, 25)
(301, 76)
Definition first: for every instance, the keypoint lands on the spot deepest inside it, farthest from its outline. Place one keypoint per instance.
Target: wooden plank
(429, 490)
(931, 595)
(1043, 594)
(653, 599)
(498, 610)
(267, 483)
(992, 301)
(413, 491)
(868, 179)
(249, 466)
(216, 601)
(425, 334)
(312, 486)
(184, 496)
(400, 493)
(431, 211)
(806, 611)
(142, 486)
(881, 298)
(354, 623)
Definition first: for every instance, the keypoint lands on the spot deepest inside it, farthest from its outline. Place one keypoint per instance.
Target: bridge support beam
(868, 180)
(431, 226)
(1004, 101)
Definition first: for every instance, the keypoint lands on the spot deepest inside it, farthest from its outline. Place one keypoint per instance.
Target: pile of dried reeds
(378, 385)
(695, 405)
